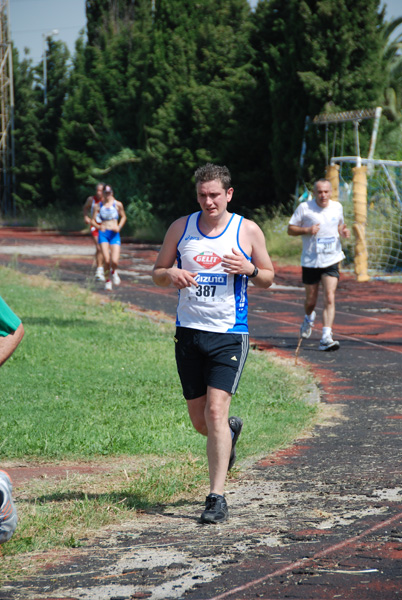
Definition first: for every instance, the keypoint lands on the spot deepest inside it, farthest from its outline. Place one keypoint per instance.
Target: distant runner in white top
(320, 222)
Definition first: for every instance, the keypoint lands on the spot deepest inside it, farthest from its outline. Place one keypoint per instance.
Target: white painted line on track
(338, 312)
(341, 335)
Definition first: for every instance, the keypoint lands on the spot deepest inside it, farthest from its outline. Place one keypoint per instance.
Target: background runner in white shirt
(320, 223)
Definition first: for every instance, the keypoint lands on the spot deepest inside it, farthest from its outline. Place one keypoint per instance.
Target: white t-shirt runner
(324, 248)
(219, 303)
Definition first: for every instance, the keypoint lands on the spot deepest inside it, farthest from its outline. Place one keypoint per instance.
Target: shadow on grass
(49, 322)
(129, 500)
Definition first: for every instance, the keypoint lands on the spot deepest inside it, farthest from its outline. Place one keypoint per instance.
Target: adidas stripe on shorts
(206, 358)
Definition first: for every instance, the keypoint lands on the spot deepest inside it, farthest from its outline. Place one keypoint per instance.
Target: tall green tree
(100, 13)
(156, 94)
(312, 56)
(49, 103)
(83, 128)
(28, 159)
(393, 62)
(199, 74)
(102, 115)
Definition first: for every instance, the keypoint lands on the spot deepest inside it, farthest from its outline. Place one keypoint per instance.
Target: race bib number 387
(212, 287)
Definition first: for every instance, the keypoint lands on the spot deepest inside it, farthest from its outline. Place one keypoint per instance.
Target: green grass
(90, 378)
(93, 381)
(281, 247)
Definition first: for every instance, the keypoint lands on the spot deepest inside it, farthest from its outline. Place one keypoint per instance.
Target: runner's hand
(181, 278)
(236, 263)
(344, 231)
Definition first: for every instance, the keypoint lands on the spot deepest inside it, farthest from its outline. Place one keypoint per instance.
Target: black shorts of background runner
(207, 358)
(311, 276)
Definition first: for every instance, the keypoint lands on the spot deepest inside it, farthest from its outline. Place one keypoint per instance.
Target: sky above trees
(32, 18)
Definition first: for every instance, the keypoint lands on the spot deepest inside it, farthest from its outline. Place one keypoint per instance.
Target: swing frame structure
(362, 168)
(354, 116)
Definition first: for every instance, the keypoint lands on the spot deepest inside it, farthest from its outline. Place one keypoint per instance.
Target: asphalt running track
(320, 520)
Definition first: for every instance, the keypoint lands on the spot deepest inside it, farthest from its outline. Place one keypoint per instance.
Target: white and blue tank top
(219, 303)
(108, 213)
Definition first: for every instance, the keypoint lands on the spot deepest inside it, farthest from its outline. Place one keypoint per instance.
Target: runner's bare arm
(296, 230)
(164, 272)
(252, 241)
(123, 217)
(9, 343)
(94, 223)
(86, 208)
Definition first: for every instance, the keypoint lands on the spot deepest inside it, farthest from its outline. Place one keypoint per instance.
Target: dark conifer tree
(50, 107)
(199, 74)
(311, 56)
(28, 159)
(101, 13)
(83, 129)
(103, 113)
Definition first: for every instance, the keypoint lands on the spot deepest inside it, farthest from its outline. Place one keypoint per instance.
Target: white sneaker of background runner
(115, 278)
(307, 325)
(8, 513)
(327, 344)
(108, 286)
(100, 275)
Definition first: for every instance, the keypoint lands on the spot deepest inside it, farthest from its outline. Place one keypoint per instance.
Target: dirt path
(321, 520)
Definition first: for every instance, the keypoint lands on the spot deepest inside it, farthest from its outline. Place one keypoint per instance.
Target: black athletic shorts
(206, 358)
(311, 276)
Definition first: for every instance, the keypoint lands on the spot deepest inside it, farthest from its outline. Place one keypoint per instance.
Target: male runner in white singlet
(216, 252)
(320, 222)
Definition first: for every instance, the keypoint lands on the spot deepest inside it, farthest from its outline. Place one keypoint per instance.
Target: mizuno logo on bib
(212, 287)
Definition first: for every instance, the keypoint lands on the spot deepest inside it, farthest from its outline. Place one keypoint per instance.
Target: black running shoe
(216, 509)
(236, 425)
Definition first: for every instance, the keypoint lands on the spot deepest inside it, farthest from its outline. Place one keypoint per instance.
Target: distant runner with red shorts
(88, 211)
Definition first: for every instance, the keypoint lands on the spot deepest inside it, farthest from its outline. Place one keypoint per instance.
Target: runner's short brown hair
(210, 172)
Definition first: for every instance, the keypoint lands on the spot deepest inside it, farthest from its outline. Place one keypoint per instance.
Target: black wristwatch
(254, 273)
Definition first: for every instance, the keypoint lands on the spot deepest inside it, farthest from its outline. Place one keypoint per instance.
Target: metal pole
(302, 154)
(357, 145)
(373, 142)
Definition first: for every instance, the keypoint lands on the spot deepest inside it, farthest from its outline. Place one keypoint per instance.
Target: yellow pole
(359, 226)
(332, 174)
